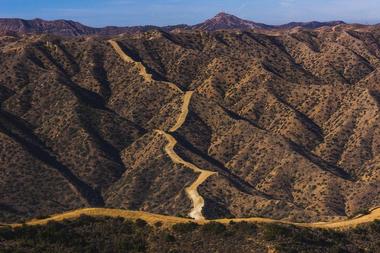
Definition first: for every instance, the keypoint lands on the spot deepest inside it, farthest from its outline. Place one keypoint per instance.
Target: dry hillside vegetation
(288, 120)
(99, 234)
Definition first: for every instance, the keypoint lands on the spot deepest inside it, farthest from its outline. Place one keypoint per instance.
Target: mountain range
(72, 28)
(210, 122)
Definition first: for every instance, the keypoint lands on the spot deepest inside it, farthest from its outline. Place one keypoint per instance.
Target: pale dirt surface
(343, 224)
(170, 220)
(184, 111)
(192, 190)
(100, 212)
(197, 199)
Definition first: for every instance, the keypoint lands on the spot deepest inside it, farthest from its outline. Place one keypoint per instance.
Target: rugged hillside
(288, 120)
(119, 235)
(221, 21)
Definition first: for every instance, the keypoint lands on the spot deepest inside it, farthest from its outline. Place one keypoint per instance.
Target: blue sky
(166, 12)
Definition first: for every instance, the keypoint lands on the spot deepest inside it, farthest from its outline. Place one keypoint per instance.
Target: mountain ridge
(72, 28)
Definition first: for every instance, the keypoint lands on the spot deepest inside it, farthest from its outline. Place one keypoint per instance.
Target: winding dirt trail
(171, 220)
(184, 111)
(192, 190)
(107, 212)
(342, 224)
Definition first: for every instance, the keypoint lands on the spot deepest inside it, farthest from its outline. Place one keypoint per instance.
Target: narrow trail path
(107, 212)
(171, 220)
(184, 111)
(142, 69)
(342, 224)
(192, 190)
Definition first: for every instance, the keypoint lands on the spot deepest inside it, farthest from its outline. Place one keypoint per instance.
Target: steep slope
(288, 121)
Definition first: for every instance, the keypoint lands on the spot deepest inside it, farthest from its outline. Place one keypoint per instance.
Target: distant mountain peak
(221, 14)
(225, 20)
(224, 15)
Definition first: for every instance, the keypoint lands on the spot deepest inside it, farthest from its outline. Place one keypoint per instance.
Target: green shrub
(6, 233)
(274, 231)
(375, 226)
(169, 238)
(337, 249)
(158, 224)
(244, 227)
(83, 219)
(213, 228)
(141, 223)
(335, 236)
(185, 227)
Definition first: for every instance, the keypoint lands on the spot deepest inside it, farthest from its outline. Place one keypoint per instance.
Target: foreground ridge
(171, 220)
